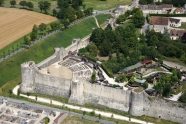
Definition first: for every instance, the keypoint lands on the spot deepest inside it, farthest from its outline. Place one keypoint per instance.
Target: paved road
(34, 105)
(175, 65)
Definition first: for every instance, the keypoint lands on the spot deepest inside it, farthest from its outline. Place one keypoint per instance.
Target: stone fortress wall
(142, 104)
(82, 92)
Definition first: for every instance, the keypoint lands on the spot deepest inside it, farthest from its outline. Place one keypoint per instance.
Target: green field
(10, 68)
(103, 5)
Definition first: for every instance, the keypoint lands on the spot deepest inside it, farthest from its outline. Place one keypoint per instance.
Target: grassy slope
(103, 5)
(102, 18)
(10, 68)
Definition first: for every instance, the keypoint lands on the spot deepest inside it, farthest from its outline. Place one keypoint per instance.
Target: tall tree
(30, 5)
(13, 3)
(23, 3)
(92, 48)
(27, 39)
(1, 2)
(44, 5)
(97, 36)
(54, 12)
(105, 48)
(42, 27)
(138, 19)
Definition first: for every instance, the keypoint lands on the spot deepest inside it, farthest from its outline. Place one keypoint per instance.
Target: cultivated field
(15, 23)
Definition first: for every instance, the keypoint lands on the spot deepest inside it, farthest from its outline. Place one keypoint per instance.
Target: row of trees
(41, 30)
(70, 10)
(24, 4)
(44, 6)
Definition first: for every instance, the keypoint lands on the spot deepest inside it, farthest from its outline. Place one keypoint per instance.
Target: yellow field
(15, 23)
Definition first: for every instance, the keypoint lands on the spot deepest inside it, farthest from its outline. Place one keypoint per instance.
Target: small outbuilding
(137, 82)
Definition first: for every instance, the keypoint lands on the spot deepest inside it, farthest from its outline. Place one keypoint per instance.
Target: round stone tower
(136, 105)
(27, 72)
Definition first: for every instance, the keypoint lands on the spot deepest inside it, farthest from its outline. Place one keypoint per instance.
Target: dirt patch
(15, 23)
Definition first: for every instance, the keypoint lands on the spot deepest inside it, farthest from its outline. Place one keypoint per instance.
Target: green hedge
(108, 71)
(169, 15)
(91, 58)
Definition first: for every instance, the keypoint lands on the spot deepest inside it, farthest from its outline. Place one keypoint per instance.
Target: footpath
(105, 114)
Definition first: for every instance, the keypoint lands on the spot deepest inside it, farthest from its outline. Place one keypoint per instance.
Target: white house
(175, 22)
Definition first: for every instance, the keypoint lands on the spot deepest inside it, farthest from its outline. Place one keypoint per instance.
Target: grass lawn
(183, 26)
(102, 18)
(160, 69)
(103, 5)
(10, 68)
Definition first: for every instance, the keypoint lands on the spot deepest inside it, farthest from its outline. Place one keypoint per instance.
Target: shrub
(107, 70)
(92, 113)
(145, 85)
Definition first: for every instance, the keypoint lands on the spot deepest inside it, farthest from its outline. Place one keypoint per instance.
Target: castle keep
(67, 76)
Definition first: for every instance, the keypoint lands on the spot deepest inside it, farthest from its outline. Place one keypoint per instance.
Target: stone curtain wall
(54, 86)
(106, 96)
(142, 104)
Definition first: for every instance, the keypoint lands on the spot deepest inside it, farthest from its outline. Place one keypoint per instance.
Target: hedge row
(91, 58)
(169, 15)
(108, 71)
